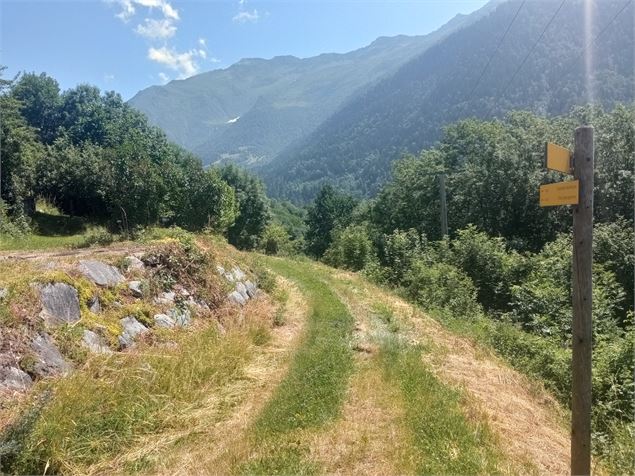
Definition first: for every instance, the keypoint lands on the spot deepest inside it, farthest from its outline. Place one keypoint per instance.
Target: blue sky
(128, 45)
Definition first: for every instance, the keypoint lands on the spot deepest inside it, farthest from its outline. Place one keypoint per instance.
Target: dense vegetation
(504, 274)
(93, 156)
(406, 111)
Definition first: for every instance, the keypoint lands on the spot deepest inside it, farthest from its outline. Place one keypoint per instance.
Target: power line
(533, 47)
(597, 37)
(592, 42)
(478, 81)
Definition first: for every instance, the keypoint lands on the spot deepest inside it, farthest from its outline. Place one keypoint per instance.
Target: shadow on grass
(58, 225)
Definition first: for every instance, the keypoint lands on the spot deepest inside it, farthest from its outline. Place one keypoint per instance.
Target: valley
(413, 257)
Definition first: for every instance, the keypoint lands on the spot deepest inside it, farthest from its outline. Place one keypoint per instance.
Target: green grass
(99, 410)
(313, 390)
(39, 242)
(442, 439)
(52, 229)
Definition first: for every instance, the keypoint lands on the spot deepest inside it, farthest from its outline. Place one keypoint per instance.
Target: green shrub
(399, 251)
(491, 267)
(613, 386)
(613, 248)
(275, 240)
(351, 249)
(13, 223)
(441, 285)
(542, 302)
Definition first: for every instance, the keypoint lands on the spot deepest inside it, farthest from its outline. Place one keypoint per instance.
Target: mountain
(252, 110)
(406, 111)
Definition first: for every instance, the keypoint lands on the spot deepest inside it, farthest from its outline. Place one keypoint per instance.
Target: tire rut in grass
(312, 393)
(523, 417)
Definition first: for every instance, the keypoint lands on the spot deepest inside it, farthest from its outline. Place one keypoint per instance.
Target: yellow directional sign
(558, 158)
(561, 193)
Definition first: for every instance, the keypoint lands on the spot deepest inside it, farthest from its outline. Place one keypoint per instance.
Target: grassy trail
(351, 380)
(526, 421)
(359, 399)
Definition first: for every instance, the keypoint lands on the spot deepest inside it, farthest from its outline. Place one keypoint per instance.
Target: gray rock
(165, 298)
(163, 320)
(14, 379)
(229, 277)
(182, 291)
(49, 361)
(94, 305)
(135, 288)
(4, 292)
(60, 304)
(100, 273)
(181, 317)
(95, 343)
(242, 289)
(252, 289)
(236, 298)
(238, 273)
(131, 329)
(133, 263)
(220, 270)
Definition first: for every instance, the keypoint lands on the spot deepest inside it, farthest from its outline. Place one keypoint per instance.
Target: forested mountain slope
(406, 112)
(252, 110)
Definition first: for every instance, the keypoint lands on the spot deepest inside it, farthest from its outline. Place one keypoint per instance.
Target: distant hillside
(249, 112)
(406, 111)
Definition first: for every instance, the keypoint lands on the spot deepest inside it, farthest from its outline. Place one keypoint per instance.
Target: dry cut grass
(528, 421)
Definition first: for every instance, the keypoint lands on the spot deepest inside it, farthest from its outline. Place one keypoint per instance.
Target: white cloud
(109, 77)
(154, 29)
(128, 9)
(159, 24)
(184, 63)
(245, 16)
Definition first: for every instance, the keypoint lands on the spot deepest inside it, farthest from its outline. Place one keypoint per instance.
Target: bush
(442, 286)
(399, 251)
(490, 266)
(542, 302)
(13, 225)
(351, 249)
(613, 248)
(275, 240)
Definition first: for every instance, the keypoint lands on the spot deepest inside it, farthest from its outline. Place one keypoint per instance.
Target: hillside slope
(328, 375)
(406, 112)
(252, 110)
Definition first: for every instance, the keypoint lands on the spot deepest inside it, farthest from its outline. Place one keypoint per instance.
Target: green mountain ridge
(406, 112)
(252, 110)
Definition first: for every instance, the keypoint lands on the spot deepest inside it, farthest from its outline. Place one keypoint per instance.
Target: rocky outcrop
(131, 329)
(252, 289)
(133, 263)
(165, 298)
(60, 304)
(94, 343)
(48, 359)
(163, 320)
(13, 379)
(244, 289)
(100, 273)
(181, 317)
(135, 288)
(94, 305)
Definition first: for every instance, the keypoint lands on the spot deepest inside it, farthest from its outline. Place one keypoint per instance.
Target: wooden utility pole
(583, 158)
(444, 206)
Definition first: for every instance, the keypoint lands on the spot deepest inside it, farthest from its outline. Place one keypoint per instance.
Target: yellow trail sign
(558, 158)
(561, 193)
